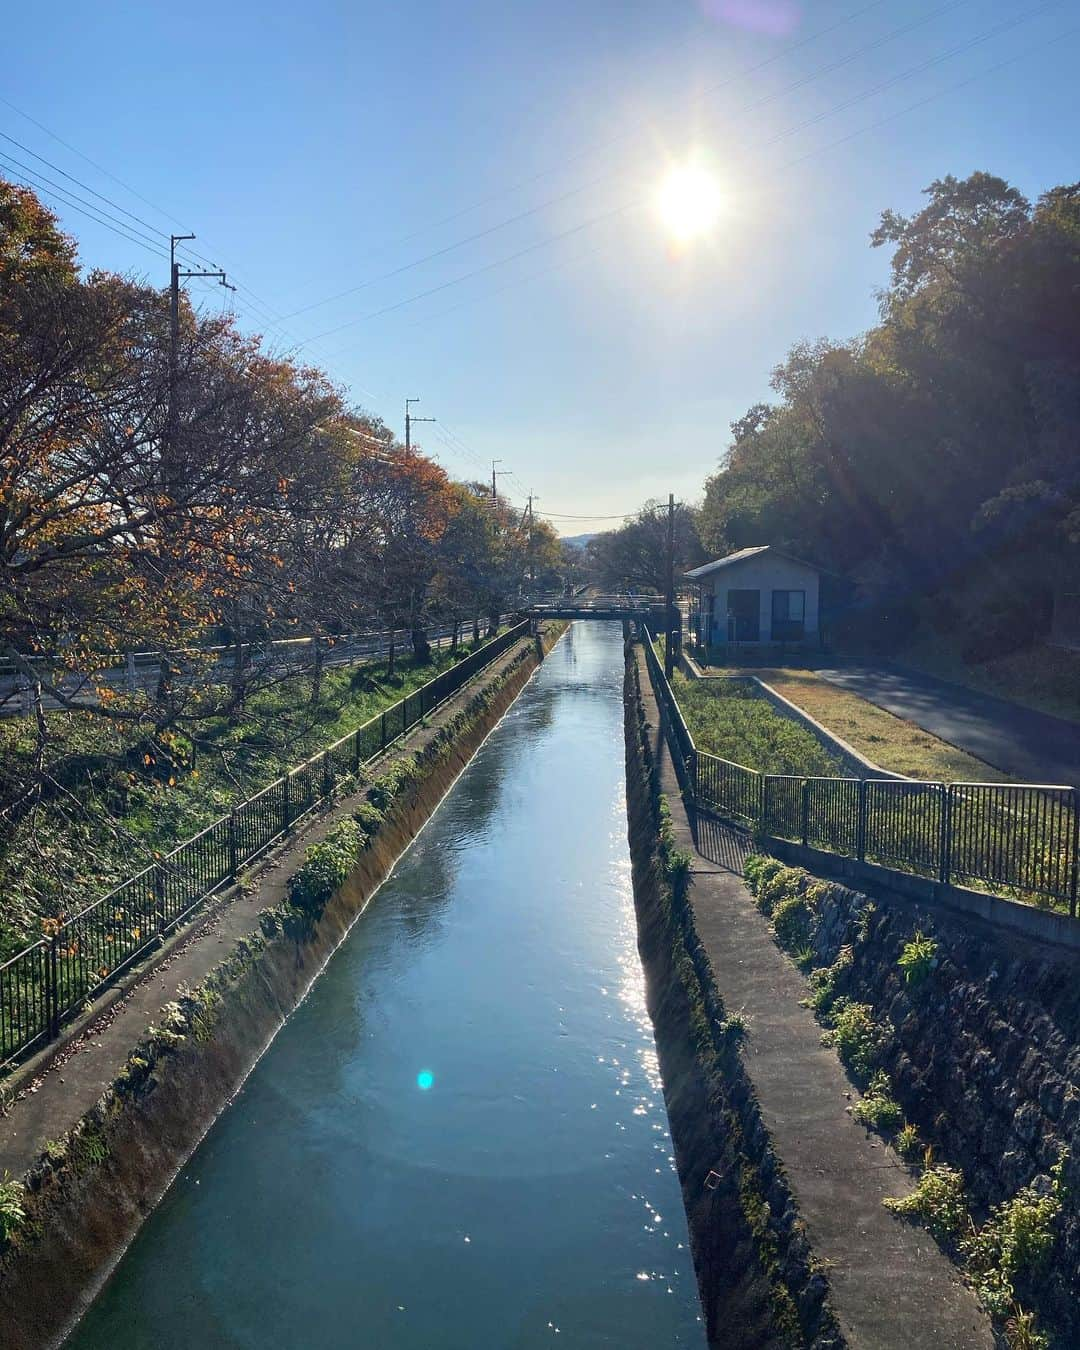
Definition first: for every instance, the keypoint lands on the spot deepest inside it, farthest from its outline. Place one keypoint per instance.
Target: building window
(788, 615)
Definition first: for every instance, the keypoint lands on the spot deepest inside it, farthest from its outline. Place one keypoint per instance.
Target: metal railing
(43, 985)
(1020, 839)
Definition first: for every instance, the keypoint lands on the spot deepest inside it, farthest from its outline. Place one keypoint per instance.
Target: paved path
(891, 1287)
(1019, 741)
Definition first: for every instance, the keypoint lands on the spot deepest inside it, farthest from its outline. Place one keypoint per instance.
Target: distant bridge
(649, 608)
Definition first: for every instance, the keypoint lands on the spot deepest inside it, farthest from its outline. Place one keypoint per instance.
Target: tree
(636, 555)
(938, 451)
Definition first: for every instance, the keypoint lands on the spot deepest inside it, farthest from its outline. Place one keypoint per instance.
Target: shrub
(734, 1028)
(326, 865)
(781, 884)
(917, 959)
(857, 1037)
(759, 868)
(793, 922)
(879, 1109)
(368, 816)
(937, 1202)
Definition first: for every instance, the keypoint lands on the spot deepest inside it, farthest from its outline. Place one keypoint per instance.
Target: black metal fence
(43, 985)
(1017, 839)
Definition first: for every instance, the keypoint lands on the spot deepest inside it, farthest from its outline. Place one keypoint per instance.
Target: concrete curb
(852, 758)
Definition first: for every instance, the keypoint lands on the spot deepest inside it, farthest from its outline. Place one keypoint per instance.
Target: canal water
(458, 1141)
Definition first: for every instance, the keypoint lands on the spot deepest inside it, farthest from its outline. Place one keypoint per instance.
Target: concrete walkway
(1018, 741)
(890, 1285)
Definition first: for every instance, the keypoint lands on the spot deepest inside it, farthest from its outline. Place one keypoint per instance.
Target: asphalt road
(1019, 741)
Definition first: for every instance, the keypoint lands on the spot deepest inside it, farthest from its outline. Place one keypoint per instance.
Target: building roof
(741, 555)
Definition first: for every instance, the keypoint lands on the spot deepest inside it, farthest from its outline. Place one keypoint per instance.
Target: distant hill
(577, 540)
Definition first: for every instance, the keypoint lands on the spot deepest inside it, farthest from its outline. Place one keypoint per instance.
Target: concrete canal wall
(784, 1190)
(97, 1176)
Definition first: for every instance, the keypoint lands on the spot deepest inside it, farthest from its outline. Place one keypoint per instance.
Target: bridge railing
(46, 983)
(1020, 840)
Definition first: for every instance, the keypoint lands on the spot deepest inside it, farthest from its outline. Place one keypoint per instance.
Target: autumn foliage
(261, 507)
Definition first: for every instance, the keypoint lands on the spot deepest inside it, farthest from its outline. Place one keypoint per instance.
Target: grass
(112, 812)
(891, 742)
(732, 719)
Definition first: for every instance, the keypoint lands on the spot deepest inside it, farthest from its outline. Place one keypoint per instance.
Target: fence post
(860, 827)
(764, 803)
(356, 751)
(327, 774)
(285, 821)
(234, 846)
(804, 811)
(1074, 880)
(946, 833)
(159, 896)
(52, 989)
(383, 746)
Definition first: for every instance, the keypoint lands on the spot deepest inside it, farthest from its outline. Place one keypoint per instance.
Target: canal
(458, 1141)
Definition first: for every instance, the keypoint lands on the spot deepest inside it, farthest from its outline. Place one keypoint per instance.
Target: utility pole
(170, 469)
(173, 414)
(500, 474)
(531, 520)
(669, 652)
(409, 420)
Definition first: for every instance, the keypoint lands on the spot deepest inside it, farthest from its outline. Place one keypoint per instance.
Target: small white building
(755, 596)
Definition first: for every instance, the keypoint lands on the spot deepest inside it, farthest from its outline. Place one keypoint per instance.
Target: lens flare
(425, 1080)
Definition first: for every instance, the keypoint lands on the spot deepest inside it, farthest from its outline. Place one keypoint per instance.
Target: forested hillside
(934, 460)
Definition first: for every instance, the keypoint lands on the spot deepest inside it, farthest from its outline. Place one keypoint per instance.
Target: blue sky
(316, 148)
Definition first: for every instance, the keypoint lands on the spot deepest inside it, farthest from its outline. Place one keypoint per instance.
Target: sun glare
(689, 201)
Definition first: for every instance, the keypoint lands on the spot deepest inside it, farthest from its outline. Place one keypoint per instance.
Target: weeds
(856, 1036)
(907, 1143)
(1014, 1242)
(918, 959)
(734, 1028)
(793, 922)
(734, 720)
(938, 1202)
(12, 1213)
(823, 982)
(879, 1109)
(1021, 1333)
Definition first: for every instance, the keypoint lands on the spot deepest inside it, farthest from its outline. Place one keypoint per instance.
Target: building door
(744, 613)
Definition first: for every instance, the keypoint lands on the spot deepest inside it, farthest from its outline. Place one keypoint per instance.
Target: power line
(617, 174)
(628, 206)
(85, 186)
(38, 183)
(643, 124)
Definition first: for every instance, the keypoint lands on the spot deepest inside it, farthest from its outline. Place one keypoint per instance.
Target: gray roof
(742, 555)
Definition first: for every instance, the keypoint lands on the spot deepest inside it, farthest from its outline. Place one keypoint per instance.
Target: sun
(689, 201)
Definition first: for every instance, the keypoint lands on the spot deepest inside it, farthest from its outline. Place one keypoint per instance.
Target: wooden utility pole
(669, 599)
